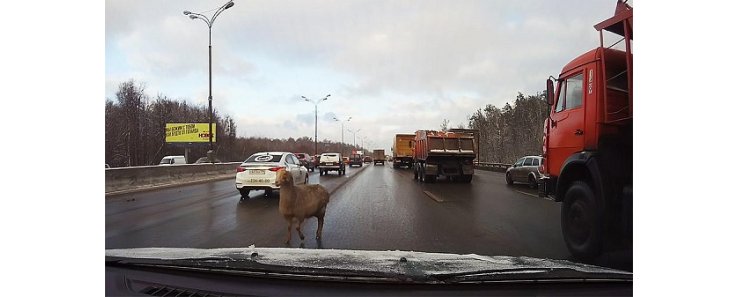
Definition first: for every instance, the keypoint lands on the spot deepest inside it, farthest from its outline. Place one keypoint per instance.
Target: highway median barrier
(140, 178)
(497, 167)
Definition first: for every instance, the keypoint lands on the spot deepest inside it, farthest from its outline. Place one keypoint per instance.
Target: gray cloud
(404, 65)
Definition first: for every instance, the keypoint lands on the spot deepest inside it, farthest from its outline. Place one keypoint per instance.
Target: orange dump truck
(403, 150)
(439, 153)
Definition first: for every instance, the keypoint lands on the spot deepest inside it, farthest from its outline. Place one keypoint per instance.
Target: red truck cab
(587, 145)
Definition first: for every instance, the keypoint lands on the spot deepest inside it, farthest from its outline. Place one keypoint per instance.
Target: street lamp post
(354, 137)
(316, 122)
(362, 144)
(209, 22)
(342, 121)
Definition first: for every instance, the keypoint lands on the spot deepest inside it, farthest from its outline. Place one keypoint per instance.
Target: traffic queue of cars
(259, 171)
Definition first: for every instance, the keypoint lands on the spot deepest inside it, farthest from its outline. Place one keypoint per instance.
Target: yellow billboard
(188, 132)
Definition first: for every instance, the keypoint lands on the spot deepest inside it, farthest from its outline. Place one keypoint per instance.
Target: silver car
(525, 170)
(259, 172)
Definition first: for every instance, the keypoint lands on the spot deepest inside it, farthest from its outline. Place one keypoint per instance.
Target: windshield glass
(419, 111)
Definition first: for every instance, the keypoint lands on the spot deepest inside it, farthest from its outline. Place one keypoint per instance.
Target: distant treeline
(135, 131)
(511, 132)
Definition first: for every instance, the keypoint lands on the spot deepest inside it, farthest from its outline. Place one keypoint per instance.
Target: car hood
(365, 266)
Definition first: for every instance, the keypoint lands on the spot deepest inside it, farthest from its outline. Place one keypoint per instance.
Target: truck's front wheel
(581, 219)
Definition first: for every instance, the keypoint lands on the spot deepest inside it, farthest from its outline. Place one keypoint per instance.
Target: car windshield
(425, 119)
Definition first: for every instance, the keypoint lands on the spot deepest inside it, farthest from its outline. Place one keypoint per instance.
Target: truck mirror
(550, 92)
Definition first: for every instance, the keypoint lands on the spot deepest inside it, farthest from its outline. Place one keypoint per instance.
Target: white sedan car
(259, 171)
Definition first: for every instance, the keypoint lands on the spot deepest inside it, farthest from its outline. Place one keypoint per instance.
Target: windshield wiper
(245, 267)
(366, 266)
(557, 274)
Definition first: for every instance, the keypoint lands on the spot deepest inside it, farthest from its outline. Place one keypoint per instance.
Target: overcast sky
(393, 66)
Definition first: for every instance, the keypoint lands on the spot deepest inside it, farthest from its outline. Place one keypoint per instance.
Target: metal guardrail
(142, 177)
(499, 167)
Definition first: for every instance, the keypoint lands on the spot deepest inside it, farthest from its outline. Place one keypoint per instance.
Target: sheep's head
(283, 178)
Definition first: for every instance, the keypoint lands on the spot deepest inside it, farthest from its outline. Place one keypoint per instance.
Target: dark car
(367, 159)
(355, 160)
(306, 161)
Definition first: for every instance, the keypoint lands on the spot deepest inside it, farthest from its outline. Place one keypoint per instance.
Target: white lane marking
(525, 193)
(434, 197)
(535, 196)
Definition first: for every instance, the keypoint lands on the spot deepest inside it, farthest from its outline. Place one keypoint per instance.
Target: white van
(173, 160)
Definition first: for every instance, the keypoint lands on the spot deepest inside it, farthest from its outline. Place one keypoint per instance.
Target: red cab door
(567, 124)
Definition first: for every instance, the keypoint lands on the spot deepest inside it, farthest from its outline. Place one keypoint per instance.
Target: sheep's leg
(298, 228)
(290, 226)
(321, 226)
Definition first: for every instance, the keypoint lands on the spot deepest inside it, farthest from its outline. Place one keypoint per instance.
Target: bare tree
(445, 125)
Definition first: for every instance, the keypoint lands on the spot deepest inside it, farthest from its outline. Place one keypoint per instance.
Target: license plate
(256, 171)
(258, 180)
(329, 164)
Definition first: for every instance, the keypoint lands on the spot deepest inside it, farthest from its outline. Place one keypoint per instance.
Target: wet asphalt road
(371, 208)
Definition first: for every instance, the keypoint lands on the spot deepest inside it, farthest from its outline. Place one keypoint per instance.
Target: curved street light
(354, 137)
(209, 22)
(342, 121)
(362, 145)
(316, 121)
